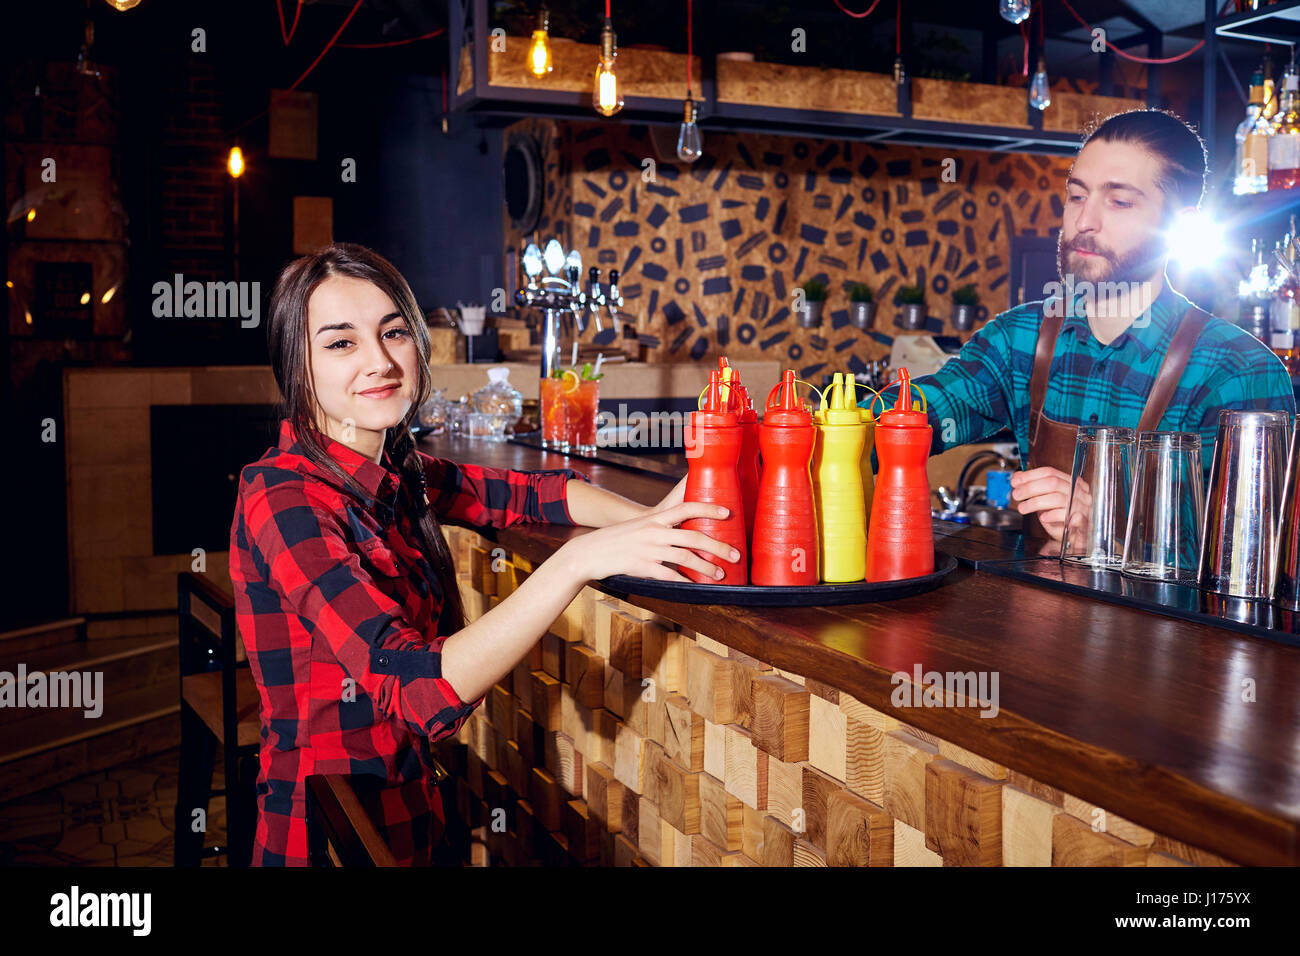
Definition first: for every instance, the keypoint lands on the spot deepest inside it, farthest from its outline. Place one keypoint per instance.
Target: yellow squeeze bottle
(838, 487)
(868, 446)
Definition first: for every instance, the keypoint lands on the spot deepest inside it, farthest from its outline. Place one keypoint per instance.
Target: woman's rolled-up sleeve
(484, 497)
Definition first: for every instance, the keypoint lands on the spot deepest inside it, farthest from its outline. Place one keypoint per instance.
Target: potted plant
(862, 306)
(964, 302)
(912, 300)
(809, 313)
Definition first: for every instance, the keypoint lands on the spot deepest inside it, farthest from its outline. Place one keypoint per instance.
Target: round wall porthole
(523, 174)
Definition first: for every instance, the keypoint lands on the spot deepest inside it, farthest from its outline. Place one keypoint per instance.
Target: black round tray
(811, 595)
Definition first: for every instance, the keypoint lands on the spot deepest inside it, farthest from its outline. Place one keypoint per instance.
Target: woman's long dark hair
(287, 344)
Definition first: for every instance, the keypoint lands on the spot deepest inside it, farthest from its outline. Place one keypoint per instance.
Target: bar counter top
(1187, 729)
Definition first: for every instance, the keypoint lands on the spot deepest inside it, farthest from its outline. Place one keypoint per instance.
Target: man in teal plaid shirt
(1134, 173)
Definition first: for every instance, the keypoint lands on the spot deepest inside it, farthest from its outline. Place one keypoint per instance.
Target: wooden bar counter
(641, 731)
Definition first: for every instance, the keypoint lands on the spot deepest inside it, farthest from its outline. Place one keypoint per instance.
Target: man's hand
(1046, 492)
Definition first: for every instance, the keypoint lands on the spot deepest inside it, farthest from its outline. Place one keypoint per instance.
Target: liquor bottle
(1284, 144)
(1251, 172)
(1286, 312)
(1252, 295)
(1270, 89)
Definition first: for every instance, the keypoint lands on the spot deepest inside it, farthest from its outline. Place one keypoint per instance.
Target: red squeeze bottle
(713, 438)
(900, 539)
(748, 464)
(785, 518)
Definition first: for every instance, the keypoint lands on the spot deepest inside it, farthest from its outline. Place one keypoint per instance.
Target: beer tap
(564, 304)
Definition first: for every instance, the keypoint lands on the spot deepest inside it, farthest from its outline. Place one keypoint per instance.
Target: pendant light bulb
(235, 162)
(1040, 93)
(605, 95)
(1015, 11)
(689, 144)
(539, 53)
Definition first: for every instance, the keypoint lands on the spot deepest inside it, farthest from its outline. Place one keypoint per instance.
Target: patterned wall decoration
(711, 253)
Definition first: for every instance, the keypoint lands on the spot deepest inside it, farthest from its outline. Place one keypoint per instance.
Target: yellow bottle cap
(843, 406)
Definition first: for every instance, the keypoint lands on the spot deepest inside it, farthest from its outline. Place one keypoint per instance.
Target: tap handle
(615, 297)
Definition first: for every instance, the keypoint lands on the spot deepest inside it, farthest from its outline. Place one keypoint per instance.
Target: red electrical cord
(343, 26)
(606, 9)
(296, 14)
(376, 46)
(1129, 56)
(858, 16)
(898, 28)
(1024, 36)
(689, 48)
(355, 7)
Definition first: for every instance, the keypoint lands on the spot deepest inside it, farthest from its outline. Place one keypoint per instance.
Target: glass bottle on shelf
(1282, 307)
(1288, 298)
(1251, 171)
(1253, 295)
(1270, 88)
(1284, 144)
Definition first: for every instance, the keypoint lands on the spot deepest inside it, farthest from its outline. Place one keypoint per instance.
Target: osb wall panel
(732, 762)
(796, 87)
(710, 253)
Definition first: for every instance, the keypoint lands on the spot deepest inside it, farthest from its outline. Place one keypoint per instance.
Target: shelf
(1255, 209)
(1279, 23)
(775, 98)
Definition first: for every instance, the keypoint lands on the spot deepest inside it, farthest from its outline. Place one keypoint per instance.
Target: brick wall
(194, 182)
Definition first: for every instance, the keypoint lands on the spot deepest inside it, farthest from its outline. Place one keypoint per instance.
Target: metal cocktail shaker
(1243, 504)
(1287, 590)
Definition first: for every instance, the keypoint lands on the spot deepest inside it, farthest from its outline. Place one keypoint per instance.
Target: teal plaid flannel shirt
(985, 386)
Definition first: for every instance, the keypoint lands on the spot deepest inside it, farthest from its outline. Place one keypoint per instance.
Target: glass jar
(498, 405)
(432, 416)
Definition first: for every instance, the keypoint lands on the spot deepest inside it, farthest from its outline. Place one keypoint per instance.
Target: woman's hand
(672, 499)
(642, 546)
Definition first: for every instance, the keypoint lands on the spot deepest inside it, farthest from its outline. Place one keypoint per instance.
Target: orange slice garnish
(570, 376)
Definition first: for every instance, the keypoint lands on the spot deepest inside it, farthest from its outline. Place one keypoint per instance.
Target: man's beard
(1135, 266)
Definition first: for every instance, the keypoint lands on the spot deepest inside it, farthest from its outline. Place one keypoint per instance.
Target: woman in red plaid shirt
(345, 590)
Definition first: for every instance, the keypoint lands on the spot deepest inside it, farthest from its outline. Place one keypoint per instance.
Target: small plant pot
(913, 315)
(863, 314)
(963, 317)
(809, 315)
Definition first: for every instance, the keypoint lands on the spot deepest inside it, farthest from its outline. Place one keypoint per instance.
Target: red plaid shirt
(339, 613)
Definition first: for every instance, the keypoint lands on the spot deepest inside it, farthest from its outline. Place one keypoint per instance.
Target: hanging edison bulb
(123, 4)
(689, 145)
(1040, 93)
(235, 162)
(539, 53)
(605, 95)
(1015, 11)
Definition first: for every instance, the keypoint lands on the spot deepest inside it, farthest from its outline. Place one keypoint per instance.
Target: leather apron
(1051, 443)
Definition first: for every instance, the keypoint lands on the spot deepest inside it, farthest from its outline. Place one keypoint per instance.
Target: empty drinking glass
(1097, 515)
(1163, 539)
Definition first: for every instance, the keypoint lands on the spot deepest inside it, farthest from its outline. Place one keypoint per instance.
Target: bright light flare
(1196, 240)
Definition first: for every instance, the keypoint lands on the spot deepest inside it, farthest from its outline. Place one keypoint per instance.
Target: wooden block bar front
(734, 736)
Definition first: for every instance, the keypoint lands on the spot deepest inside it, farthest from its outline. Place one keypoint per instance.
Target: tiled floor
(119, 817)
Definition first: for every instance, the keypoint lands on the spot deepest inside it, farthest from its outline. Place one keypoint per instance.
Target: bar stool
(219, 707)
(339, 830)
